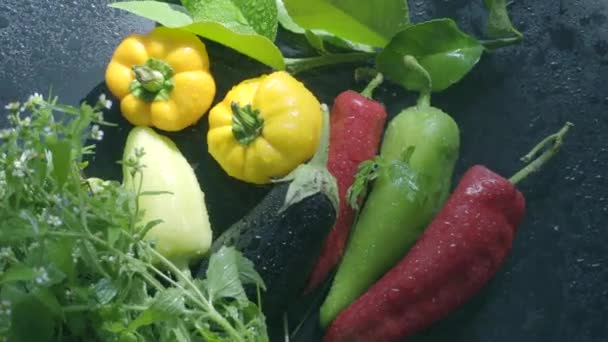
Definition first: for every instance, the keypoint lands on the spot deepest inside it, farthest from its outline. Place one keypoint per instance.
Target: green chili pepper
(412, 181)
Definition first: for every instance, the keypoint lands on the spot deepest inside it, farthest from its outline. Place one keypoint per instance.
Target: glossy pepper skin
(458, 253)
(418, 154)
(357, 124)
(264, 128)
(162, 79)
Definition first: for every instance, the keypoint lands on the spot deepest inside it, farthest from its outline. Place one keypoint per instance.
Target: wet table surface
(553, 286)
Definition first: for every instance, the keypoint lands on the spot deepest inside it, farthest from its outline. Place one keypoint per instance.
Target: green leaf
(223, 280)
(499, 25)
(444, 51)
(61, 150)
(60, 254)
(18, 272)
(169, 15)
(367, 22)
(46, 297)
(253, 45)
(316, 42)
(247, 272)
(31, 320)
(286, 20)
(244, 16)
(104, 291)
(167, 305)
(290, 25)
(217, 27)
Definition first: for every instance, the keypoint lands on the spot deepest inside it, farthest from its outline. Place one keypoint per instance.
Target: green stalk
(411, 63)
(368, 92)
(298, 65)
(554, 140)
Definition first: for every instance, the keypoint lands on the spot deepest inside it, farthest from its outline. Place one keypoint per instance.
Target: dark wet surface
(554, 285)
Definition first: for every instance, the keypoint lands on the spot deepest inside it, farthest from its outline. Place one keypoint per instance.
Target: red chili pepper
(357, 123)
(459, 252)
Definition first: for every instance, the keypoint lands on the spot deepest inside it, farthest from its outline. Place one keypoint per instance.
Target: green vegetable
(412, 181)
(245, 26)
(73, 265)
(365, 22)
(440, 47)
(182, 232)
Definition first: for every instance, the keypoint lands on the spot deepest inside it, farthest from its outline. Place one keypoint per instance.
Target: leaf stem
(555, 140)
(298, 65)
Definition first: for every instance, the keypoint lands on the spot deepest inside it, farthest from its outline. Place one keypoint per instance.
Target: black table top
(554, 286)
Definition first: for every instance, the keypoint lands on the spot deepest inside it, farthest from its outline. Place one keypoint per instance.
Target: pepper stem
(150, 79)
(552, 144)
(247, 124)
(424, 83)
(322, 154)
(368, 92)
(153, 80)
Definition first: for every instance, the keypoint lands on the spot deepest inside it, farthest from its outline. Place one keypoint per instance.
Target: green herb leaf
(60, 255)
(367, 22)
(105, 291)
(31, 320)
(46, 297)
(61, 151)
(247, 272)
(444, 51)
(244, 16)
(167, 305)
(223, 280)
(169, 15)
(367, 171)
(18, 272)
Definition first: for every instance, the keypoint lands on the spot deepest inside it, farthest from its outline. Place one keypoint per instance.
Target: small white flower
(27, 155)
(6, 252)
(34, 99)
(13, 106)
(111, 258)
(5, 307)
(56, 199)
(43, 276)
(18, 169)
(6, 133)
(26, 121)
(96, 133)
(54, 221)
(107, 104)
(47, 130)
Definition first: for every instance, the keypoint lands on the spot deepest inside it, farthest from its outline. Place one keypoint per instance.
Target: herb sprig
(73, 263)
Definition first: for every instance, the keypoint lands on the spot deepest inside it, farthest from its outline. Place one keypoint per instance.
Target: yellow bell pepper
(162, 79)
(264, 128)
